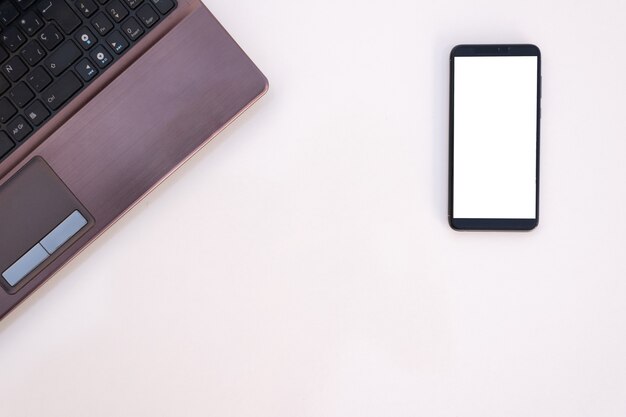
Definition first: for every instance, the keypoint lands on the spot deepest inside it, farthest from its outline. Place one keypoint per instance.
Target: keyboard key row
(65, 55)
(51, 49)
(13, 39)
(59, 12)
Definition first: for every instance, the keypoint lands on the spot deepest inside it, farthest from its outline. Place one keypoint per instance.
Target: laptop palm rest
(42, 218)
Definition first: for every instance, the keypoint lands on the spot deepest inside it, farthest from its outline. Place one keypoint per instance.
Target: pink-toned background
(307, 253)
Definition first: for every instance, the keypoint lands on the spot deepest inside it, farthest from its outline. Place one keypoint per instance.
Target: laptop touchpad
(39, 219)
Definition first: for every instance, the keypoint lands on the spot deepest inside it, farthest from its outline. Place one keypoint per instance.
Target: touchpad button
(39, 219)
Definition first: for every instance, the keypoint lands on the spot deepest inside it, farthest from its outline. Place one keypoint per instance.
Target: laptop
(100, 100)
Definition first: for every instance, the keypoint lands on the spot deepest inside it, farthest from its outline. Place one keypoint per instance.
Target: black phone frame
(485, 223)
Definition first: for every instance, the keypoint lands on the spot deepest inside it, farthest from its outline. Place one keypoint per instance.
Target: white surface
(495, 158)
(310, 270)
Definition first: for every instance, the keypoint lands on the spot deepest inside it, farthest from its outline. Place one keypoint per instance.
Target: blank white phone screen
(495, 137)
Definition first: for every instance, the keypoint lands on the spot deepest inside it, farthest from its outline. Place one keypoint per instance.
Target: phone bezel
(484, 223)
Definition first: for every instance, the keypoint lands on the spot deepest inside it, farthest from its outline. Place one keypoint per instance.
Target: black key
(13, 38)
(37, 113)
(64, 56)
(6, 144)
(86, 7)
(21, 94)
(147, 15)
(4, 84)
(33, 52)
(164, 6)
(3, 54)
(132, 29)
(7, 110)
(50, 37)
(8, 13)
(30, 23)
(18, 129)
(86, 70)
(133, 3)
(38, 79)
(117, 42)
(14, 68)
(85, 38)
(102, 23)
(61, 90)
(61, 13)
(24, 4)
(116, 10)
(101, 56)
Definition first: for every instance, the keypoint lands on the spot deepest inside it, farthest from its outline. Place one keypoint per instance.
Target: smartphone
(495, 109)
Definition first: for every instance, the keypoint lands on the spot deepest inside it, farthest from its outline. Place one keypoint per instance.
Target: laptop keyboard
(51, 49)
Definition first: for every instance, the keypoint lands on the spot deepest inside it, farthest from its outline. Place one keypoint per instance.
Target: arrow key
(86, 70)
(117, 42)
